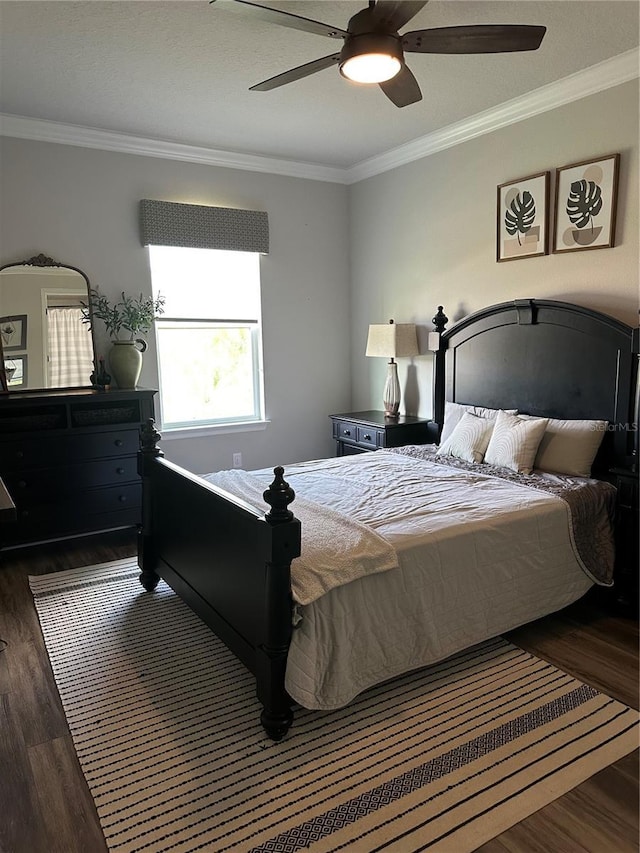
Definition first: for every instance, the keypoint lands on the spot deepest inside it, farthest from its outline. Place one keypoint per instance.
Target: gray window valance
(197, 226)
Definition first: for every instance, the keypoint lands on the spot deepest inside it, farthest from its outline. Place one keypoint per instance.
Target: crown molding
(42, 130)
(597, 78)
(612, 72)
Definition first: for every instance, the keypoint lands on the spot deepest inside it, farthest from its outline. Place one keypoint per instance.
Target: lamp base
(391, 394)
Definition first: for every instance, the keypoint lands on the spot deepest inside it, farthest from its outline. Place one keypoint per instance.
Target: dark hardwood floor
(45, 805)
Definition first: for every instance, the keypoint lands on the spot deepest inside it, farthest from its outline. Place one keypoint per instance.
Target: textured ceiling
(180, 71)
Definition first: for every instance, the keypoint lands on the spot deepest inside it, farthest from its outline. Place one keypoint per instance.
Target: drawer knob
(118, 442)
(122, 498)
(22, 484)
(347, 432)
(19, 454)
(367, 437)
(119, 470)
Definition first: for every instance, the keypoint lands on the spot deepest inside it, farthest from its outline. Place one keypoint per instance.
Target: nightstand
(359, 432)
(627, 533)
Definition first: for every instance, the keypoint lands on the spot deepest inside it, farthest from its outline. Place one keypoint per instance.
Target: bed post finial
(279, 495)
(149, 438)
(440, 320)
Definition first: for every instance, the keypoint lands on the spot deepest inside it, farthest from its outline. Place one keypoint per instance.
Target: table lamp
(392, 340)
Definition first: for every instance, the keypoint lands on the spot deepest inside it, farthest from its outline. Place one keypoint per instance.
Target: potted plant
(124, 320)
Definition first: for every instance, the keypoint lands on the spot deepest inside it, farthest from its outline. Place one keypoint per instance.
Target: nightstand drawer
(345, 431)
(627, 492)
(368, 437)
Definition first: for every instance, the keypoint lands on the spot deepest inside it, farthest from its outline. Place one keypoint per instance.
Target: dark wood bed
(231, 564)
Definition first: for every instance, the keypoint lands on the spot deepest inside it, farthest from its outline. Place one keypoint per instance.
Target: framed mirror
(43, 342)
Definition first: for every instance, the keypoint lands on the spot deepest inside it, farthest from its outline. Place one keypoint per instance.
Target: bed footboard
(228, 562)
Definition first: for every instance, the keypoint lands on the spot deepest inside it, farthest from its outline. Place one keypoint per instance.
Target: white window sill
(212, 429)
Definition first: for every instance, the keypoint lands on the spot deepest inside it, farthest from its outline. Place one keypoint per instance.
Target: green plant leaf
(583, 203)
(520, 215)
(133, 314)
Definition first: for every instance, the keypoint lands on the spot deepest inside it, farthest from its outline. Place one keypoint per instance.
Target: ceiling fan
(373, 49)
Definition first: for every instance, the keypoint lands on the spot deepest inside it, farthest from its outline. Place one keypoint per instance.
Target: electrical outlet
(237, 460)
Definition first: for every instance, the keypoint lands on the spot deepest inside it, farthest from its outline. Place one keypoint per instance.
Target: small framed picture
(14, 332)
(585, 206)
(523, 228)
(15, 370)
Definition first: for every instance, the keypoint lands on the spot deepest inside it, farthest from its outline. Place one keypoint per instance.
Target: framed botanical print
(523, 227)
(15, 370)
(585, 205)
(14, 332)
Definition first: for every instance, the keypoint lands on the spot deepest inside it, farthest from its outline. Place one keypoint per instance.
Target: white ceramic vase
(125, 361)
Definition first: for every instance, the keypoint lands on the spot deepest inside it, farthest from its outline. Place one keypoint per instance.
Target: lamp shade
(392, 340)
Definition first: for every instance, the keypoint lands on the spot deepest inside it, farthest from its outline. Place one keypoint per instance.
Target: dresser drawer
(44, 485)
(66, 520)
(79, 508)
(61, 450)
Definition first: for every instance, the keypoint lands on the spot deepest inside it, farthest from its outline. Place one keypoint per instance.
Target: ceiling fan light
(371, 57)
(370, 67)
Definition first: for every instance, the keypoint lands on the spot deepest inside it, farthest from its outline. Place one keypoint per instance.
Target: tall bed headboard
(545, 358)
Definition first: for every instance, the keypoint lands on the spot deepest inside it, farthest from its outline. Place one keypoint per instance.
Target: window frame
(257, 420)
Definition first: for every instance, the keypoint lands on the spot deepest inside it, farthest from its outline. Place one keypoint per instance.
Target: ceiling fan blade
(296, 73)
(402, 89)
(394, 14)
(284, 19)
(476, 38)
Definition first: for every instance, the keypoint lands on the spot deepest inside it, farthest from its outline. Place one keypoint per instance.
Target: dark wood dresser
(69, 461)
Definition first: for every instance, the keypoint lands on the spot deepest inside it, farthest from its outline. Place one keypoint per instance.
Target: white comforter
(477, 555)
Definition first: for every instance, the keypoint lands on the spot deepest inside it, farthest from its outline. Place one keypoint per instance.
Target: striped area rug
(165, 724)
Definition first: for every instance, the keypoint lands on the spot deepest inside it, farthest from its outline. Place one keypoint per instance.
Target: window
(209, 338)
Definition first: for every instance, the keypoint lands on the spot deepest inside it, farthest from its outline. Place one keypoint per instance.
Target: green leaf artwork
(520, 215)
(583, 203)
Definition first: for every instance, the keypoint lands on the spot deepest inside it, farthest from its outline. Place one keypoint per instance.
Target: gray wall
(80, 206)
(395, 245)
(424, 234)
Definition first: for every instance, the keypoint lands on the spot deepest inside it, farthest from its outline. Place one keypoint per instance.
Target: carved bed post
(439, 322)
(149, 450)
(271, 655)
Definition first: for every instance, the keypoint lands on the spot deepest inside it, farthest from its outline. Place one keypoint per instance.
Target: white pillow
(570, 446)
(469, 439)
(454, 411)
(515, 441)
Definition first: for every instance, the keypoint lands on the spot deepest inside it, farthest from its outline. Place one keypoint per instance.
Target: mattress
(477, 554)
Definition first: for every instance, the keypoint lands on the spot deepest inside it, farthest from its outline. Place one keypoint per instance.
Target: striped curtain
(70, 348)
